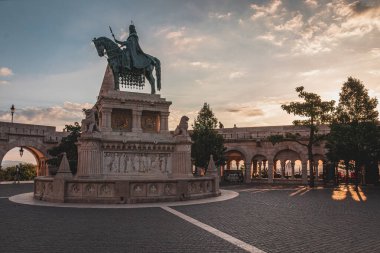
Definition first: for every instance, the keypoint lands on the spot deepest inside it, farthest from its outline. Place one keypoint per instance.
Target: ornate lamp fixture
(13, 109)
(21, 151)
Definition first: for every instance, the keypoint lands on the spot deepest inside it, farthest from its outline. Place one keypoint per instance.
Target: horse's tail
(158, 72)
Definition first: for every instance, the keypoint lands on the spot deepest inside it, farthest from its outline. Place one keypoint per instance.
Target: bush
(27, 172)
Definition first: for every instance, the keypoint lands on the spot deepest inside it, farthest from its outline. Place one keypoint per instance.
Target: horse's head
(99, 46)
(106, 46)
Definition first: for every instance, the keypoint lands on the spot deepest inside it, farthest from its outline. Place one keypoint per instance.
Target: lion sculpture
(182, 127)
(89, 124)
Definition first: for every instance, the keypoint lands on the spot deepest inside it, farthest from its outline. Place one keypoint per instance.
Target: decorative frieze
(136, 163)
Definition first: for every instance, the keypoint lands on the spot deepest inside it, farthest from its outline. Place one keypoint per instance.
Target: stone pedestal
(133, 158)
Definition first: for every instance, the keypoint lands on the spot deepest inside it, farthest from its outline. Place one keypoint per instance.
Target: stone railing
(49, 133)
(261, 133)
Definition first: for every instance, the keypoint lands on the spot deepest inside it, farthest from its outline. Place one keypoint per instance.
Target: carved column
(316, 170)
(89, 157)
(247, 166)
(136, 121)
(271, 168)
(292, 163)
(260, 165)
(181, 163)
(254, 167)
(304, 172)
(164, 122)
(105, 124)
(283, 163)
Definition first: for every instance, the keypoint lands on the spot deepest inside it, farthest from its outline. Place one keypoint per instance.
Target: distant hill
(9, 163)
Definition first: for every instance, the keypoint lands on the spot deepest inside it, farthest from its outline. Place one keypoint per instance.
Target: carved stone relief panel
(74, 189)
(136, 163)
(170, 189)
(138, 190)
(150, 122)
(106, 190)
(121, 120)
(154, 189)
(90, 190)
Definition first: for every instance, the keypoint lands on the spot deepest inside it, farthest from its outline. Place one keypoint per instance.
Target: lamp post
(13, 109)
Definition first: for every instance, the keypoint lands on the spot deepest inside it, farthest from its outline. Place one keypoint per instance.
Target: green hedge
(27, 172)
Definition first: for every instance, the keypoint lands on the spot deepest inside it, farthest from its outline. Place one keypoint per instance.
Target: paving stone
(26, 228)
(275, 221)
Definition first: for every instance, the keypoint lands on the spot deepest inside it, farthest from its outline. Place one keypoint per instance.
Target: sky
(244, 58)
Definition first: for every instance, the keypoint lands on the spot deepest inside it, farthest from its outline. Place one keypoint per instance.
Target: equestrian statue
(130, 65)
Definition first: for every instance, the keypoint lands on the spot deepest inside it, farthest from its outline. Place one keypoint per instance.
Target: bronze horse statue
(106, 46)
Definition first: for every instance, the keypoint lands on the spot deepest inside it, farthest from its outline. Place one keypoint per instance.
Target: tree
(354, 133)
(316, 112)
(68, 145)
(206, 140)
(27, 171)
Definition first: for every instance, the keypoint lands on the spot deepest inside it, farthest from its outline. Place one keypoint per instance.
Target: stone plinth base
(118, 191)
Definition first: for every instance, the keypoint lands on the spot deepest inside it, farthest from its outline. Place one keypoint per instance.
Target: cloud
(237, 74)
(68, 113)
(3, 82)
(244, 109)
(311, 3)
(4, 71)
(310, 73)
(266, 10)
(323, 30)
(271, 38)
(181, 38)
(220, 16)
(293, 24)
(375, 52)
(374, 72)
(204, 65)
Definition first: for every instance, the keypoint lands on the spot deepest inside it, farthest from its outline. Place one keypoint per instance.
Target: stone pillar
(105, 124)
(292, 163)
(316, 165)
(43, 170)
(283, 163)
(247, 166)
(254, 167)
(228, 165)
(164, 122)
(271, 168)
(89, 157)
(136, 121)
(304, 172)
(260, 165)
(181, 163)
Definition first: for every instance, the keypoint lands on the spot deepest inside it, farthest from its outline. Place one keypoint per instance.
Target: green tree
(67, 145)
(316, 112)
(206, 140)
(354, 133)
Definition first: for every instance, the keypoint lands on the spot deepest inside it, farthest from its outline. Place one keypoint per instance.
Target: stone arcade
(131, 157)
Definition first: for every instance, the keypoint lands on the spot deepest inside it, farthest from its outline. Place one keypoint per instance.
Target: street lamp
(13, 109)
(21, 151)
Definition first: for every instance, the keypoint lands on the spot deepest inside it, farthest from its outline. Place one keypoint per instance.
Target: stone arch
(39, 151)
(287, 154)
(236, 155)
(259, 166)
(286, 160)
(319, 165)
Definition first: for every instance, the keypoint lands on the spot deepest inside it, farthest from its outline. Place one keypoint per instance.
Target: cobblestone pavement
(274, 220)
(298, 219)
